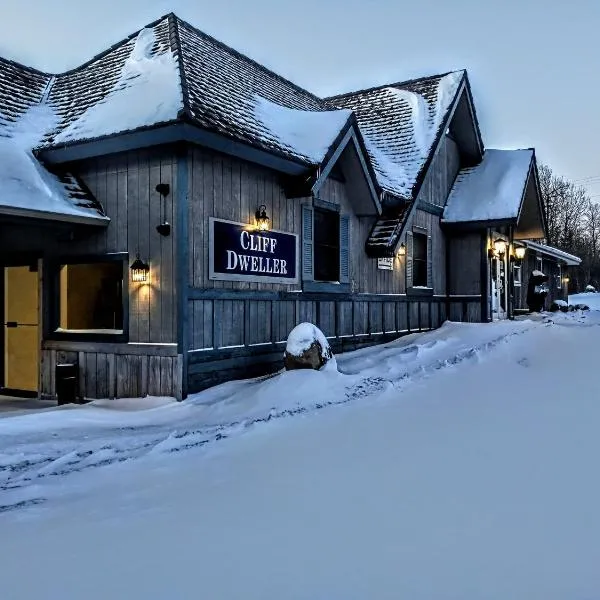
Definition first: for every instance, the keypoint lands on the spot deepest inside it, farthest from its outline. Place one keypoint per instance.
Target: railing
(229, 321)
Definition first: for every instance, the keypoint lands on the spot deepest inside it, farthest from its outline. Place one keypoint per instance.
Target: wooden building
(171, 210)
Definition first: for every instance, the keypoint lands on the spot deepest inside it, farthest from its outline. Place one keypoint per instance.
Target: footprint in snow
(524, 362)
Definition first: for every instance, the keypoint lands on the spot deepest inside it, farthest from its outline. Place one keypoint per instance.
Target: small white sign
(387, 264)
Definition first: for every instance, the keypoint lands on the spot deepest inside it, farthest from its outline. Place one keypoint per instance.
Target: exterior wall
(239, 329)
(550, 267)
(125, 184)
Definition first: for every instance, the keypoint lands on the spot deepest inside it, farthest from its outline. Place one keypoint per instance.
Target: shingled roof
(26, 187)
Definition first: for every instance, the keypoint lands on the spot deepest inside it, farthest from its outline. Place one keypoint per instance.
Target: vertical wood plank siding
(125, 184)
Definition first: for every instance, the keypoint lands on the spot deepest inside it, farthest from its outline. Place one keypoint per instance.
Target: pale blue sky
(534, 65)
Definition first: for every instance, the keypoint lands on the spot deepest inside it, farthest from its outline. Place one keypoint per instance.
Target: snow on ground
(456, 464)
(591, 299)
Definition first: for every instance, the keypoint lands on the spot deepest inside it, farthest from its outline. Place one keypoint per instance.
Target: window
(419, 259)
(326, 245)
(517, 276)
(91, 297)
(559, 278)
(539, 264)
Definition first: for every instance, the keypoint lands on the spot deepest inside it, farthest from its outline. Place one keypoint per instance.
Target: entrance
(20, 329)
(499, 287)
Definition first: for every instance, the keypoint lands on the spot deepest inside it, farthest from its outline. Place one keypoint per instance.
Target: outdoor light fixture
(500, 246)
(262, 220)
(402, 250)
(520, 252)
(164, 228)
(566, 280)
(140, 271)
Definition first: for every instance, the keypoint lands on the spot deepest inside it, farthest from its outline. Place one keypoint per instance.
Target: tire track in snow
(16, 477)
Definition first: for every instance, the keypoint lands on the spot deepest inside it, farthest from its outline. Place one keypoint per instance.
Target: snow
(567, 258)
(304, 132)
(561, 303)
(302, 337)
(454, 464)
(537, 273)
(148, 92)
(491, 190)
(591, 299)
(26, 184)
(396, 171)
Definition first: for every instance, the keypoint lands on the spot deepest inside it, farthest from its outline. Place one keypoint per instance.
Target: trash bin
(67, 383)
(537, 290)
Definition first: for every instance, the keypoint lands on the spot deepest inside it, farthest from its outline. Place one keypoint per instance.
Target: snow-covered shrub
(306, 348)
(590, 288)
(559, 305)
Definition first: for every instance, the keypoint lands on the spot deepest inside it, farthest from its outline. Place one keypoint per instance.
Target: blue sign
(240, 252)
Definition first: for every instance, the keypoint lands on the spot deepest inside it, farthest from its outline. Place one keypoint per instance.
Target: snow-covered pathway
(57, 443)
(476, 481)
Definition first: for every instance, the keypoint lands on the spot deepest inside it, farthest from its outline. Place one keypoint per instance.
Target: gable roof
(401, 124)
(492, 190)
(27, 188)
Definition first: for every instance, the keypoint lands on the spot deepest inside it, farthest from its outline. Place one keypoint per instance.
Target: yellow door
(21, 331)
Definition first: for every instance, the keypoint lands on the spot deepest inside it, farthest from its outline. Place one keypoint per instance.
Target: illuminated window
(90, 297)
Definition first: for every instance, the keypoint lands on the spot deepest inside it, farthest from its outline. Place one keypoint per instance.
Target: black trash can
(67, 383)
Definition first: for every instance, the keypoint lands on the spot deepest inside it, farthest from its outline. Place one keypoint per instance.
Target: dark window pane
(327, 245)
(91, 297)
(419, 260)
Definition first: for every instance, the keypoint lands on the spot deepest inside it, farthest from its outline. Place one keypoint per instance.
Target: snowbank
(426, 490)
(303, 336)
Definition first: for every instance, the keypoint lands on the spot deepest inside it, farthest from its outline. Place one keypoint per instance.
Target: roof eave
(79, 219)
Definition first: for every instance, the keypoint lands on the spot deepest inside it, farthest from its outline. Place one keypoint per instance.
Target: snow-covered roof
(400, 124)
(493, 190)
(568, 259)
(27, 188)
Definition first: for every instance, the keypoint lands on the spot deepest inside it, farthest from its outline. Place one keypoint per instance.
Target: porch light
(140, 271)
(402, 250)
(500, 246)
(262, 220)
(520, 252)
(566, 280)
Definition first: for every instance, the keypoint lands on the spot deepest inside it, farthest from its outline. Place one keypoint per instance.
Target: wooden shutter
(307, 243)
(429, 262)
(344, 249)
(409, 259)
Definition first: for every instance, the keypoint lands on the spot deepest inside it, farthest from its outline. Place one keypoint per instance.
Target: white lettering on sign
(257, 243)
(387, 264)
(256, 264)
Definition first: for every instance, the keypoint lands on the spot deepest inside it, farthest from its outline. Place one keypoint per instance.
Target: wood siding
(464, 277)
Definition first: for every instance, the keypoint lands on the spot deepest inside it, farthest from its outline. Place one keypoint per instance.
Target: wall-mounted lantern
(500, 246)
(519, 252)
(566, 280)
(402, 250)
(140, 271)
(262, 220)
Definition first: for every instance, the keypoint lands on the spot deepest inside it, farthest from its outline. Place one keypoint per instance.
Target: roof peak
(394, 85)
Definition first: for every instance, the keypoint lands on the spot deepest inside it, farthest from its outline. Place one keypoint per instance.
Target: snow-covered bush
(590, 288)
(306, 348)
(559, 305)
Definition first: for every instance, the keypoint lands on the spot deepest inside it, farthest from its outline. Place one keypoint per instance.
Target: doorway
(20, 330)
(499, 287)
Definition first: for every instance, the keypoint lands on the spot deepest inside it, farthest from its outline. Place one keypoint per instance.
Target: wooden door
(21, 329)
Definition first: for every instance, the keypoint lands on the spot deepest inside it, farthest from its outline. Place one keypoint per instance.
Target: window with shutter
(326, 245)
(419, 259)
(307, 243)
(344, 249)
(409, 259)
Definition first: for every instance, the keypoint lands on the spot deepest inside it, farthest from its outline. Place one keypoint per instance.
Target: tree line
(573, 221)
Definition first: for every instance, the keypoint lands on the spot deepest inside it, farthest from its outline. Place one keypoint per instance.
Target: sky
(534, 65)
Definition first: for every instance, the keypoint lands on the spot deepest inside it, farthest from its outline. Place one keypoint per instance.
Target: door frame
(25, 259)
(494, 274)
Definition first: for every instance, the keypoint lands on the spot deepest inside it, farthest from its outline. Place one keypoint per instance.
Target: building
(171, 209)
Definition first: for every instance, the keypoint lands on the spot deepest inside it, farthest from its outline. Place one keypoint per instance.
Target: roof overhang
(351, 155)
(25, 214)
(562, 256)
(169, 133)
